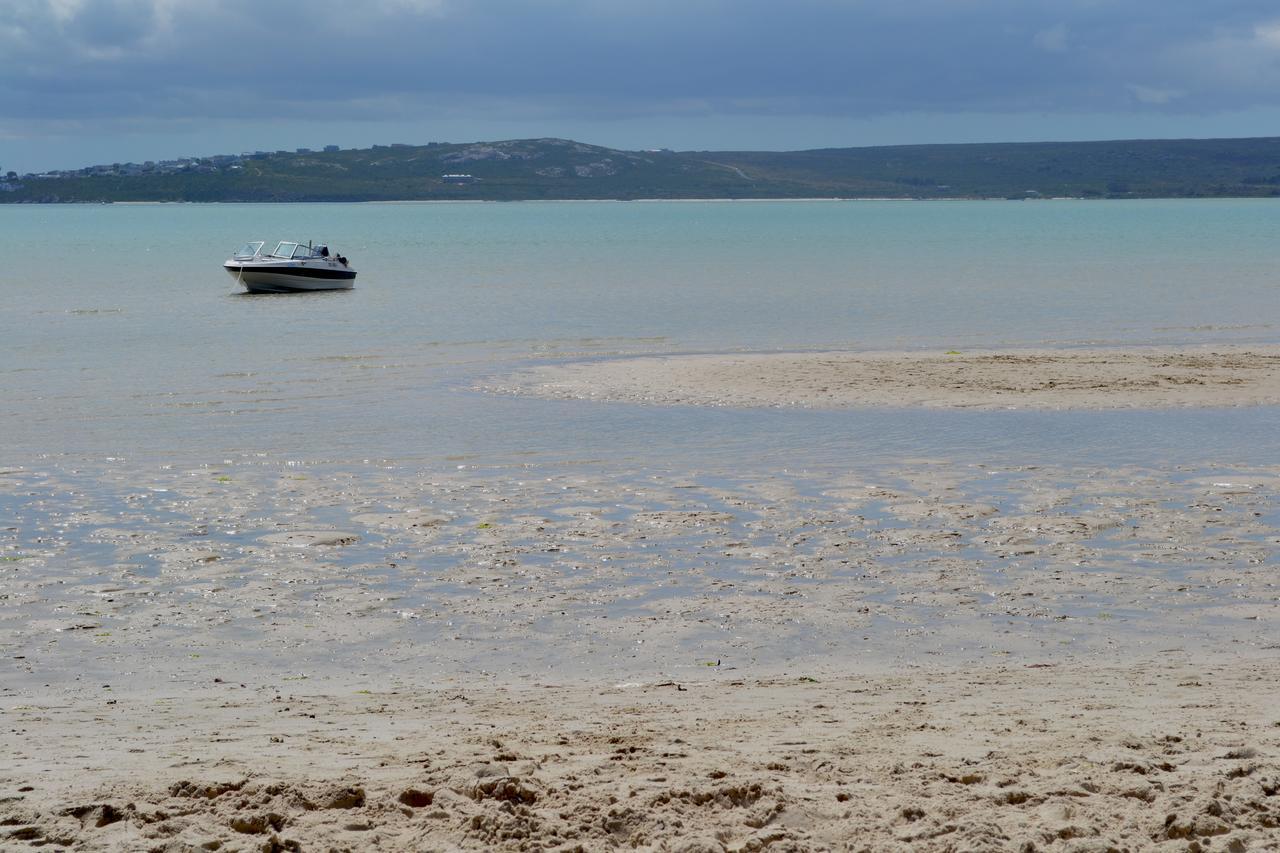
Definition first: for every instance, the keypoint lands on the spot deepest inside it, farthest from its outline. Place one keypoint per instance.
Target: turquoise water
(123, 337)
(159, 428)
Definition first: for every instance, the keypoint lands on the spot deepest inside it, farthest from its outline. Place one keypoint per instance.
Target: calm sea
(124, 338)
(152, 414)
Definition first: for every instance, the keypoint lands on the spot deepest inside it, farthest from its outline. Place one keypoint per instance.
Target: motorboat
(289, 268)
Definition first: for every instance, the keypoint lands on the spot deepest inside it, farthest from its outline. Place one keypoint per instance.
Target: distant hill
(563, 169)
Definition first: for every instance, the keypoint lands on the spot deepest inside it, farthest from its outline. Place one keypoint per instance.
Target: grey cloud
(114, 24)
(624, 59)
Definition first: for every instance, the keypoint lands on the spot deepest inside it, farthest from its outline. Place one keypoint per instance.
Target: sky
(84, 82)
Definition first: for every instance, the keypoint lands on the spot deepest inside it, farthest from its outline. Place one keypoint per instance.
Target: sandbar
(996, 379)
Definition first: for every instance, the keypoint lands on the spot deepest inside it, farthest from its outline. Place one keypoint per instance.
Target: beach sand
(1013, 379)
(1073, 659)
(910, 655)
(1166, 754)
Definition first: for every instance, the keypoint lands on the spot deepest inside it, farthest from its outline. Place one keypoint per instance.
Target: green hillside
(563, 169)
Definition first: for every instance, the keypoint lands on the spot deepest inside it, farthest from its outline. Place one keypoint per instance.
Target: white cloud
(1152, 94)
(65, 10)
(1268, 34)
(1230, 66)
(1053, 39)
(415, 7)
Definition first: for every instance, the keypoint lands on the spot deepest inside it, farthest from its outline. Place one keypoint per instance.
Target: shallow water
(159, 429)
(598, 571)
(126, 337)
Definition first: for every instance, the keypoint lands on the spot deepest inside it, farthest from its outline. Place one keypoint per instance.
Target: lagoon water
(197, 481)
(125, 339)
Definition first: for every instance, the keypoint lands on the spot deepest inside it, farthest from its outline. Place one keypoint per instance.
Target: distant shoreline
(565, 170)
(761, 200)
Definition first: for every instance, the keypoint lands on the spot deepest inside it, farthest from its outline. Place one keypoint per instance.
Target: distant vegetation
(562, 169)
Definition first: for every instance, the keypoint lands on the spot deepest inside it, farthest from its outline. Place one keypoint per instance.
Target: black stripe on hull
(297, 272)
(276, 288)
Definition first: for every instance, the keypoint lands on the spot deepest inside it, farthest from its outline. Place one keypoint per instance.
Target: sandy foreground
(1166, 754)
(1022, 379)
(924, 657)
(912, 654)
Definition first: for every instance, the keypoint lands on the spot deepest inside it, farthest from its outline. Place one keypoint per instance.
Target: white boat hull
(291, 276)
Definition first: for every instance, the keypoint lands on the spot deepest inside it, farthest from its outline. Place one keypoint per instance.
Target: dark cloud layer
(184, 60)
(171, 57)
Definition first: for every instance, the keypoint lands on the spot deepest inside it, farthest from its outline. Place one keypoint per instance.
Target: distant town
(208, 165)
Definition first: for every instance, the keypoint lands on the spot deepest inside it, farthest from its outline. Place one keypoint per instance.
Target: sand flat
(916, 654)
(1022, 379)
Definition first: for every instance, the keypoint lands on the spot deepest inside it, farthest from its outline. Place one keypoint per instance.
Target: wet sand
(1008, 379)
(917, 654)
(920, 656)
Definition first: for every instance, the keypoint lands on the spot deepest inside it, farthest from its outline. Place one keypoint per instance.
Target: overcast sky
(92, 81)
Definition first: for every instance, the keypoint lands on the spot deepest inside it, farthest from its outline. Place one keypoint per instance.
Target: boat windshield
(294, 251)
(249, 250)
